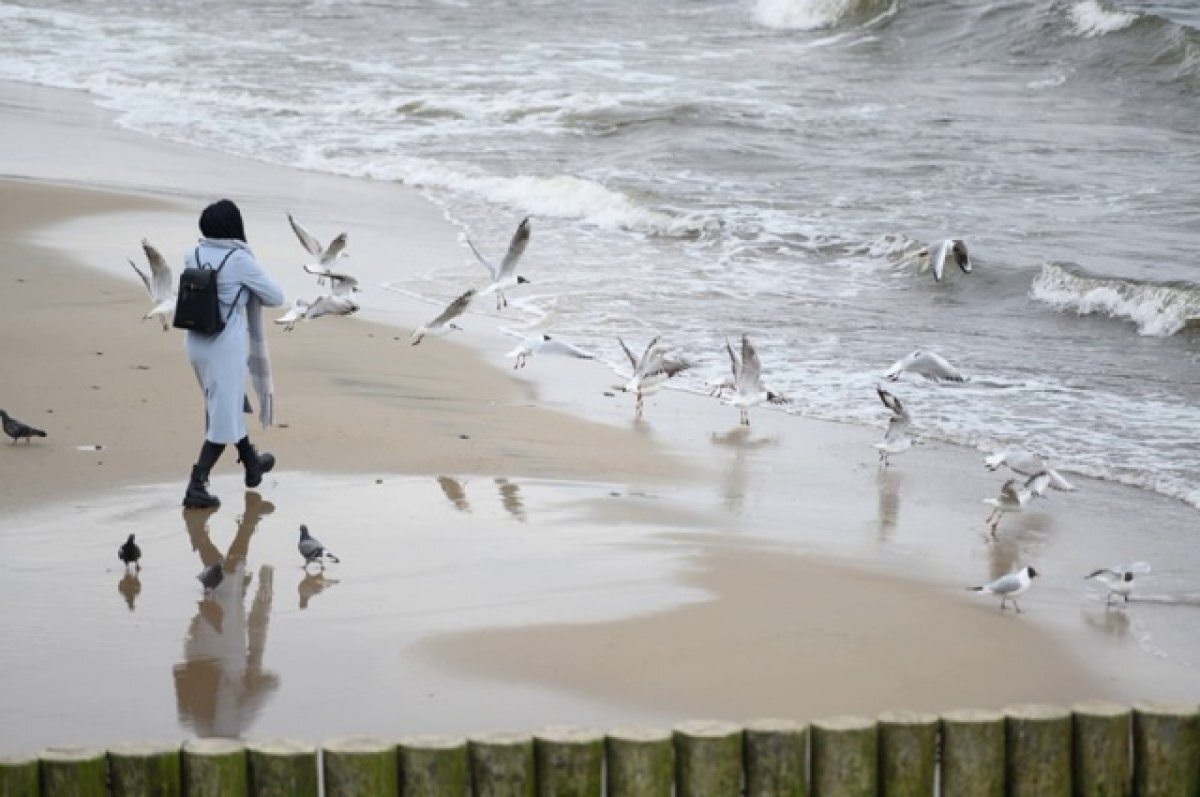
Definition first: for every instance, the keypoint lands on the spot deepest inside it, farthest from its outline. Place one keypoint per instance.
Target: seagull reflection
(311, 584)
(1110, 620)
(510, 496)
(733, 486)
(221, 685)
(454, 491)
(888, 481)
(129, 586)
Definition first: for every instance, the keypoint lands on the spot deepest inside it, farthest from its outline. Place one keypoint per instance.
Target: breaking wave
(1094, 18)
(818, 14)
(1158, 309)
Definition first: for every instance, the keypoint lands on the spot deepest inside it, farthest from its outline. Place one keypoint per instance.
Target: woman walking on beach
(221, 361)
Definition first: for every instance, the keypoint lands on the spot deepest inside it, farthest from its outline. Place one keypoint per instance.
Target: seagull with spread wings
(339, 301)
(940, 252)
(928, 364)
(748, 388)
(544, 344)
(504, 276)
(1026, 463)
(897, 439)
(656, 365)
(1118, 579)
(326, 255)
(1014, 496)
(444, 322)
(160, 284)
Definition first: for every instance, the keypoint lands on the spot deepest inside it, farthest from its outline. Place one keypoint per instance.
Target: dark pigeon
(212, 576)
(311, 548)
(16, 429)
(130, 553)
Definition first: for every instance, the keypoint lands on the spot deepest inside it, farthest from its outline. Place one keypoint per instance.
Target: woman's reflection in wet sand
(220, 686)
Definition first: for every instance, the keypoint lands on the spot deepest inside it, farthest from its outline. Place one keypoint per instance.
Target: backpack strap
(218, 271)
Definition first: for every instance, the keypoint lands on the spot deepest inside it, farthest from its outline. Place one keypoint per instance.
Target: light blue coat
(220, 360)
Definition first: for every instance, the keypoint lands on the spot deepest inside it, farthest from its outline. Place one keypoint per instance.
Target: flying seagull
(1009, 587)
(444, 322)
(505, 277)
(544, 344)
(159, 284)
(1118, 579)
(748, 388)
(1014, 496)
(651, 370)
(18, 429)
(130, 554)
(312, 550)
(1025, 463)
(897, 439)
(339, 301)
(326, 255)
(941, 251)
(928, 364)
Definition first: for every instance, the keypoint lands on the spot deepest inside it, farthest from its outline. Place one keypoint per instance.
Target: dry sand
(785, 538)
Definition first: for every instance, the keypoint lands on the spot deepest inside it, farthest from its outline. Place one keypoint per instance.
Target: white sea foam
(1158, 310)
(807, 14)
(1094, 18)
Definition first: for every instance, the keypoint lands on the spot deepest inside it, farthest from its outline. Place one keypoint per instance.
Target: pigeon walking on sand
(1118, 579)
(544, 344)
(1014, 496)
(1008, 587)
(130, 554)
(656, 365)
(928, 364)
(326, 256)
(212, 576)
(312, 550)
(897, 439)
(504, 276)
(18, 429)
(941, 251)
(159, 284)
(748, 388)
(1025, 463)
(444, 323)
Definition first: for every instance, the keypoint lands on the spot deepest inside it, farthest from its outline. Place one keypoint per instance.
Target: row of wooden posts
(1149, 749)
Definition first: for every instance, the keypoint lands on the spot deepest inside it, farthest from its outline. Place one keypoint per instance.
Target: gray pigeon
(16, 429)
(130, 553)
(311, 548)
(212, 576)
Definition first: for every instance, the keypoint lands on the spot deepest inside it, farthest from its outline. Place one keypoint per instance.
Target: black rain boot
(197, 495)
(256, 464)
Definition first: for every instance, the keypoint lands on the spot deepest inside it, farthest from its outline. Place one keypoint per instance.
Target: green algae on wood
(845, 755)
(74, 772)
(145, 769)
(1166, 745)
(708, 756)
(214, 768)
(569, 761)
(776, 758)
(640, 762)
(360, 766)
(1038, 742)
(501, 764)
(19, 776)
(432, 765)
(973, 753)
(282, 768)
(907, 753)
(1102, 749)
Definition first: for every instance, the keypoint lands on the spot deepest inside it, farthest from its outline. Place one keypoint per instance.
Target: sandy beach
(517, 549)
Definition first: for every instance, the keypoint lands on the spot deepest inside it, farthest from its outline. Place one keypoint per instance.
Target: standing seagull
(928, 364)
(130, 554)
(1013, 497)
(444, 322)
(1119, 579)
(312, 550)
(505, 277)
(544, 344)
(938, 253)
(18, 429)
(1009, 587)
(159, 284)
(326, 255)
(1025, 463)
(655, 367)
(748, 389)
(896, 440)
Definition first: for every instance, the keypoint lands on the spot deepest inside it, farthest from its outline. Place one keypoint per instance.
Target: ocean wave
(1158, 309)
(818, 14)
(1094, 18)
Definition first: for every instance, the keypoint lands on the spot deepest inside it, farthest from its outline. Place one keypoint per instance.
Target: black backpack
(197, 307)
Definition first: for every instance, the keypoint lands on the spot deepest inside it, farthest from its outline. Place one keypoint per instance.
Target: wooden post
(19, 776)
(708, 756)
(145, 769)
(1038, 740)
(434, 766)
(360, 765)
(972, 753)
(214, 768)
(569, 761)
(1166, 746)
(776, 758)
(845, 755)
(501, 764)
(1102, 749)
(640, 762)
(907, 753)
(74, 772)
(282, 768)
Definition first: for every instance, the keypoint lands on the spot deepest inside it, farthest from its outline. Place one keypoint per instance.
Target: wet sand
(592, 569)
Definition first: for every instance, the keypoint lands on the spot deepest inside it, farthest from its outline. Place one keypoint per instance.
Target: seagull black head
(1128, 576)
(521, 280)
(1032, 572)
(959, 249)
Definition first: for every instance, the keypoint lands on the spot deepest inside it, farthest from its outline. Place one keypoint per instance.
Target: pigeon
(444, 322)
(130, 554)
(897, 439)
(544, 344)
(17, 429)
(748, 388)
(1027, 464)
(939, 252)
(1119, 579)
(1013, 497)
(1009, 587)
(505, 277)
(928, 364)
(651, 370)
(312, 550)
(212, 576)
(159, 284)
(326, 255)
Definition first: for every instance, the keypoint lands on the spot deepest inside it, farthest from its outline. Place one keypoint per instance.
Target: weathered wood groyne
(1096, 748)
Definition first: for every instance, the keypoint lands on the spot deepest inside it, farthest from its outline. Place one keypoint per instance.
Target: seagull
(896, 440)
(505, 277)
(130, 554)
(1119, 579)
(295, 313)
(1009, 587)
(928, 364)
(159, 284)
(326, 255)
(1027, 464)
(655, 367)
(18, 429)
(339, 301)
(212, 576)
(312, 550)
(1013, 497)
(544, 344)
(940, 251)
(444, 322)
(748, 389)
